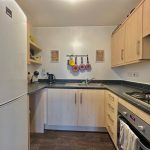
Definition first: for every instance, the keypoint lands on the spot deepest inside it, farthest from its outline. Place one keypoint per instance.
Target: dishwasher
(140, 128)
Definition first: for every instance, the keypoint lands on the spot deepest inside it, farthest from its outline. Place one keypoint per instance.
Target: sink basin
(84, 84)
(72, 84)
(91, 84)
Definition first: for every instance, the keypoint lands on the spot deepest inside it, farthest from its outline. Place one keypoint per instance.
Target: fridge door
(14, 125)
(13, 48)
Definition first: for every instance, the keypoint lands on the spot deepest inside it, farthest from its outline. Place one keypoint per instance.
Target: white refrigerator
(13, 77)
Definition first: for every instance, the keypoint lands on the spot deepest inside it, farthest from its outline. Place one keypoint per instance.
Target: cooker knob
(125, 113)
(141, 128)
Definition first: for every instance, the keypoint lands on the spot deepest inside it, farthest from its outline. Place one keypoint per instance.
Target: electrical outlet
(135, 74)
(129, 74)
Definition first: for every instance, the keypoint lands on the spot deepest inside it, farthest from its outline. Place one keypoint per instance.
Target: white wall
(139, 72)
(76, 40)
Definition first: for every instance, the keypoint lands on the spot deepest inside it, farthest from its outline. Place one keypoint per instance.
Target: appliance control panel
(138, 123)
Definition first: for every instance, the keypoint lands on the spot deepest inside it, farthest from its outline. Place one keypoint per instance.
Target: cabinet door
(114, 50)
(133, 42)
(111, 104)
(118, 46)
(146, 18)
(91, 108)
(62, 107)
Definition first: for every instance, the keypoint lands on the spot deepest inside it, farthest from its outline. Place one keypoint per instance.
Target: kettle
(51, 78)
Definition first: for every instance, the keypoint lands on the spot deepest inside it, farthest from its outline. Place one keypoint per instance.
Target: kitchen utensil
(51, 78)
(71, 62)
(75, 68)
(82, 66)
(68, 62)
(88, 65)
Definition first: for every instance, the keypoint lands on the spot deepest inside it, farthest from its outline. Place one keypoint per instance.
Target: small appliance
(51, 78)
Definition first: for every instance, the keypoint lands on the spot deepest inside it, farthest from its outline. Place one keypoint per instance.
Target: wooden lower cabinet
(37, 111)
(71, 107)
(91, 108)
(62, 107)
(111, 110)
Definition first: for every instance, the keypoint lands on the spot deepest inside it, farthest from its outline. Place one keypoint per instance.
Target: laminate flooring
(64, 140)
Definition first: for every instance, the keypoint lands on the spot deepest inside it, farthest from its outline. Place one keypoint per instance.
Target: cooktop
(142, 97)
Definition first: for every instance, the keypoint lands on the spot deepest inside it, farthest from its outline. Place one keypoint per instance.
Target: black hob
(142, 96)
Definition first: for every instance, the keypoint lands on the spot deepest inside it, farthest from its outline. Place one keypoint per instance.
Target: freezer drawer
(14, 125)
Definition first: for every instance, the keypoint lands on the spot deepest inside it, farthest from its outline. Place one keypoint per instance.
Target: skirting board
(76, 128)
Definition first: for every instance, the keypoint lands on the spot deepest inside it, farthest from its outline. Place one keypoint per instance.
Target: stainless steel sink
(84, 84)
(91, 84)
(72, 84)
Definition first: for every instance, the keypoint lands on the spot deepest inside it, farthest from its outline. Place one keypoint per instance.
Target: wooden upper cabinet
(133, 37)
(146, 18)
(118, 46)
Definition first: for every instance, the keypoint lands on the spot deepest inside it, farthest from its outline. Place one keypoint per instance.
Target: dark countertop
(118, 89)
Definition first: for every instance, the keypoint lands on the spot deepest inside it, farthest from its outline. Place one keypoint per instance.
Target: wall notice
(54, 56)
(99, 55)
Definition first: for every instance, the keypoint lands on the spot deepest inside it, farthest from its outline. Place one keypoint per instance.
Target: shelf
(35, 62)
(34, 46)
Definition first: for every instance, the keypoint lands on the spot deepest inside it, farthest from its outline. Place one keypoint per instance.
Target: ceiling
(59, 13)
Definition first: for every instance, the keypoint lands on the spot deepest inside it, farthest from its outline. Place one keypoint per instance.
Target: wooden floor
(60, 140)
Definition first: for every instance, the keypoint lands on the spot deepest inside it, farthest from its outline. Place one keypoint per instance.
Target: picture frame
(54, 56)
(100, 55)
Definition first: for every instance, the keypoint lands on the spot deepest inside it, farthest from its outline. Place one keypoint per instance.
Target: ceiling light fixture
(73, 1)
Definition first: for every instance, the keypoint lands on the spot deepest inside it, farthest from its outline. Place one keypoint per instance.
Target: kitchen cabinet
(118, 46)
(33, 50)
(146, 18)
(111, 109)
(62, 107)
(76, 108)
(91, 108)
(37, 104)
(128, 44)
(133, 36)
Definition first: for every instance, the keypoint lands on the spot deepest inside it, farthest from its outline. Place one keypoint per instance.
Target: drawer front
(110, 107)
(110, 120)
(110, 131)
(111, 98)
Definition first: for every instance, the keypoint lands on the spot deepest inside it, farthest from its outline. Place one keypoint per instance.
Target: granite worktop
(118, 88)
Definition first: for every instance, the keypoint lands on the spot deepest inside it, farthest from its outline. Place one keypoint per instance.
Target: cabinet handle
(80, 98)
(111, 107)
(110, 118)
(138, 48)
(111, 97)
(75, 98)
(122, 54)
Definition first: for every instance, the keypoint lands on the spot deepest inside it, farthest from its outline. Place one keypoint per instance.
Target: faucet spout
(87, 81)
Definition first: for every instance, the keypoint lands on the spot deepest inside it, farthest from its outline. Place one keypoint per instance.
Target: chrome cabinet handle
(111, 97)
(112, 108)
(80, 98)
(122, 52)
(110, 118)
(75, 98)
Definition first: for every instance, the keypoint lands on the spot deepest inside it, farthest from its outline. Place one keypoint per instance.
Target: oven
(134, 125)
